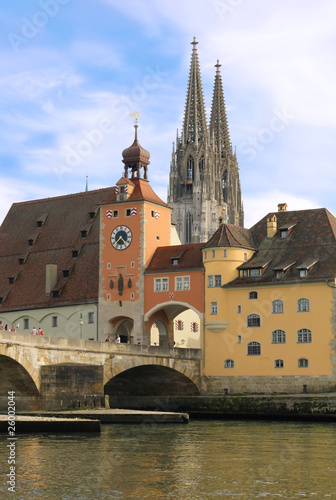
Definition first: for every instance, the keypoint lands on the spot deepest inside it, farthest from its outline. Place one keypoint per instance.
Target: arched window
(278, 337)
(303, 363)
(253, 295)
(253, 349)
(303, 305)
(277, 307)
(279, 363)
(188, 222)
(190, 168)
(253, 320)
(304, 336)
(229, 363)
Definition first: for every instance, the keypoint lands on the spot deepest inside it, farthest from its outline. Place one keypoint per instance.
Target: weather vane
(136, 115)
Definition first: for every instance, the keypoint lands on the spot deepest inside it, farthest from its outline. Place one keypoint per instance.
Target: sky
(74, 71)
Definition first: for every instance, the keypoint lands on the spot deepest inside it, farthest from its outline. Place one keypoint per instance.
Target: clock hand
(120, 238)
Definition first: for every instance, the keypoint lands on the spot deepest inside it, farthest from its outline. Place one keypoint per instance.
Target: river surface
(201, 460)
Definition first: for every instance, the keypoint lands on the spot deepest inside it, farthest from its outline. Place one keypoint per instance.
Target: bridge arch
(17, 374)
(155, 377)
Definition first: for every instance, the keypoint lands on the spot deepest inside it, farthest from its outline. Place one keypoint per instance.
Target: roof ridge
(81, 193)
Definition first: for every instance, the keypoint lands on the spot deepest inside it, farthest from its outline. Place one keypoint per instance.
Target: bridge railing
(97, 346)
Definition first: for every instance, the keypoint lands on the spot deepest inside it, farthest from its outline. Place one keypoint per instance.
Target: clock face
(121, 237)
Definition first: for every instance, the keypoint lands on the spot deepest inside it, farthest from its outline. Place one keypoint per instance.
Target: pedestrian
(118, 340)
(1, 325)
(34, 331)
(13, 329)
(39, 332)
(108, 339)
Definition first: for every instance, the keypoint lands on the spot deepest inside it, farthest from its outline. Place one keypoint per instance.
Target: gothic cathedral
(204, 181)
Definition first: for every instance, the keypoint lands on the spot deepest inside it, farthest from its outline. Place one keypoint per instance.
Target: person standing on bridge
(118, 339)
(34, 331)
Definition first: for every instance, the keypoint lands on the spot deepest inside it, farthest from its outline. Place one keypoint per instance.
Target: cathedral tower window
(190, 168)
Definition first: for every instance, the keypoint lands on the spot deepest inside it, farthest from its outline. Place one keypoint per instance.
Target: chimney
(271, 226)
(282, 207)
(51, 277)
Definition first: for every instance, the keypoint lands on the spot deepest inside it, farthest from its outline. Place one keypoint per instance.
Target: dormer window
(255, 272)
(175, 262)
(303, 273)
(279, 274)
(84, 233)
(284, 234)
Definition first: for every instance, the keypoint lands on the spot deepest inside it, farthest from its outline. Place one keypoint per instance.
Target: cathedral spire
(219, 128)
(194, 124)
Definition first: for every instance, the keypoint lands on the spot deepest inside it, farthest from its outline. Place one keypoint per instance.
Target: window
(205, 254)
(54, 322)
(213, 254)
(245, 272)
(115, 213)
(238, 309)
(153, 214)
(194, 327)
(253, 320)
(253, 349)
(91, 318)
(108, 296)
(279, 274)
(160, 284)
(278, 363)
(190, 168)
(303, 363)
(213, 307)
(214, 280)
(283, 234)
(303, 305)
(278, 337)
(179, 324)
(253, 295)
(239, 339)
(26, 324)
(229, 363)
(255, 272)
(132, 263)
(277, 307)
(175, 262)
(304, 336)
(224, 253)
(109, 265)
(245, 256)
(303, 273)
(182, 283)
(128, 212)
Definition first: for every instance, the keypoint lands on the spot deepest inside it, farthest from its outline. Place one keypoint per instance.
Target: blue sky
(72, 72)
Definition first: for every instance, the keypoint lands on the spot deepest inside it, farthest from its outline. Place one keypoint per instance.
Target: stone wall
(268, 385)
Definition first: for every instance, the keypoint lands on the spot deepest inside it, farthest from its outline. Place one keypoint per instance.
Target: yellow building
(270, 305)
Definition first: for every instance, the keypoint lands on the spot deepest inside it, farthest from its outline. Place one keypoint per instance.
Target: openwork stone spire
(194, 124)
(219, 129)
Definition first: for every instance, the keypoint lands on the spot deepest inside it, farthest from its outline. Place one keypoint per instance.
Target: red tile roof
(64, 218)
(189, 256)
(142, 191)
(310, 244)
(228, 235)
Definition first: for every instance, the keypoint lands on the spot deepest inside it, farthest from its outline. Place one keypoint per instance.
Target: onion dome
(135, 157)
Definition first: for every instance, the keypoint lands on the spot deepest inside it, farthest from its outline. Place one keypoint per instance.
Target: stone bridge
(52, 373)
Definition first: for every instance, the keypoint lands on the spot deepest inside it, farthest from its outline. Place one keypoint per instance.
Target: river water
(202, 460)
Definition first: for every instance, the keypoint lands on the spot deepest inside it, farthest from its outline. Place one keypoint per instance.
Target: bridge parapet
(55, 343)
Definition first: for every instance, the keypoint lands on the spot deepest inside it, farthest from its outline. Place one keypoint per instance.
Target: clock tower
(134, 221)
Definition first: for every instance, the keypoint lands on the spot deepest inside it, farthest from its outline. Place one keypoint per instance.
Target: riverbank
(46, 424)
(314, 407)
(119, 416)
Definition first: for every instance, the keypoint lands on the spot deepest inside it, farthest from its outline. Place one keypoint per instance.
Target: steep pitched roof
(142, 192)
(228, 235)
(188, 257)
(55, 228)
(310, 244)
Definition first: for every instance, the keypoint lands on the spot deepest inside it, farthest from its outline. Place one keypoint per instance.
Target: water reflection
(244, 460)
